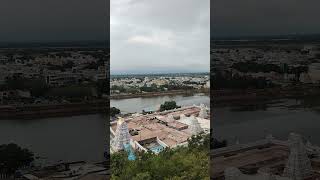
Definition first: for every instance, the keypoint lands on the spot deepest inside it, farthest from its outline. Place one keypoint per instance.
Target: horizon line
(116, 74)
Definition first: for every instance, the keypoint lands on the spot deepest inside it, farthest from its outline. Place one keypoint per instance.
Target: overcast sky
(53, 20)
(268, 17)
(159, 36)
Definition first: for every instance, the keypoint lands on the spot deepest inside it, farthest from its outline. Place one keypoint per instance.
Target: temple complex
(267, 159)
(157, 131)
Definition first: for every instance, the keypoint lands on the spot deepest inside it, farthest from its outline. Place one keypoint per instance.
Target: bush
(168, 105)
(72, 92)
(190, 162)
(13, 157)
(114, 111)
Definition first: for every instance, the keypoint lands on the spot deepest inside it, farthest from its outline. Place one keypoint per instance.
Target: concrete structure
(71, 171)
(265, 159)
(298, 166)
(203, 111)
(314, 72)
(235, 174)
(61, 79)
(158, 130)
(194, 126)
(121, 136)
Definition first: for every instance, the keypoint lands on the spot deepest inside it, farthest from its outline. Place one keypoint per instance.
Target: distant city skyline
(157, 73)
(153, 37)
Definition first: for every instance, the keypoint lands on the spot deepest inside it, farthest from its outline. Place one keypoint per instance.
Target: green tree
(191, 162)
(168, 105)
(72, 91)
(13, 157)
(119, 88)
(37, 87)
(102, 87)
(218, 144)
(143, 176)
(152, 88)
(114, 111)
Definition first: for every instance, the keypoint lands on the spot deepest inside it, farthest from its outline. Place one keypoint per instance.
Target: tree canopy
(191, 162)
(168, 105)
(227, 81)
(13, 157)
(37, 86)
(114, 111)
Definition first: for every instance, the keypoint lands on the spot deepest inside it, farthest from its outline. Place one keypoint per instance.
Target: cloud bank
(152, 36)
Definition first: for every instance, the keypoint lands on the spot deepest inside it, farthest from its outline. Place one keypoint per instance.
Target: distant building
(314, 72)
(61, 79)
(4, 59)
(101, 73)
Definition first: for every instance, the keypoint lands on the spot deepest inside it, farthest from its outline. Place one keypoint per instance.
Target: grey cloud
(272, 17)
(159, 36)
(54, 20)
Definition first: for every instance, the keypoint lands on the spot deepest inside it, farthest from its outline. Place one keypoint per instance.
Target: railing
(184, 144)
(239, 147)
(139, 147)
(161, 143)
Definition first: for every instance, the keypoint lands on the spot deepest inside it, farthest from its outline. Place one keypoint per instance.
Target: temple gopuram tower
(122, 135)
(194, 126)
(203, 111)
(298, 166)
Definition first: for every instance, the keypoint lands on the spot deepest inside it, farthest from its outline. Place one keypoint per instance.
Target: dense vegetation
(103, 87)
(13, 157)
(254, 67)
(227, 81)
(153, 88)
(173, 86)
(37, 86)
(114, 111)
(216, 144)
(190, 163)
(72, 91)
(168, 105)
(121, 89)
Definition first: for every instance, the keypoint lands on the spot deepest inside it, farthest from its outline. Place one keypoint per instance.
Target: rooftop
(249, 158)
(164, 125)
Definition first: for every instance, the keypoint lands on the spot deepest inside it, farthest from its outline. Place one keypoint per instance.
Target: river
(53, 139)
(84, 137)
(276, 118)
(133, 105)
(76, 138)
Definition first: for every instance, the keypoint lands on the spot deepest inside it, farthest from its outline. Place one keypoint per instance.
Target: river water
(76, 138)
(278, 119)
(53, 139)
(84, 137)
(133, 105)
